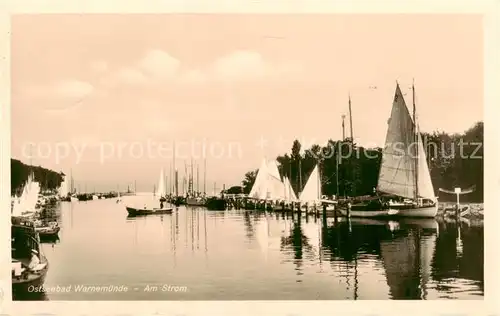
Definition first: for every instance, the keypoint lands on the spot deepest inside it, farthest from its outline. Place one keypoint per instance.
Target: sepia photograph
(210, 157)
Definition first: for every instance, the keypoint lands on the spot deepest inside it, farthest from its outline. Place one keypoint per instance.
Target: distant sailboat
(161, 190)
(26, 203)
(268, 185)
(259, 190)
(404, 174)
(63, 190)
(311, 195)
(289, 193)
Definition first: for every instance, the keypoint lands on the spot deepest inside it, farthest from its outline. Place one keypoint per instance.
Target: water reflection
(238, 254)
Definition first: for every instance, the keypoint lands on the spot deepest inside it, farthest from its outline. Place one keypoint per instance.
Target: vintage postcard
(311, 156)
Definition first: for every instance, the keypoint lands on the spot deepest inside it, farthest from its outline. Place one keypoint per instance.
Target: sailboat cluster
(404, 183)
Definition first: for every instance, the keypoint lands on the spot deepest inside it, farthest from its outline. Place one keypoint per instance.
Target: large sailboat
(404, 183)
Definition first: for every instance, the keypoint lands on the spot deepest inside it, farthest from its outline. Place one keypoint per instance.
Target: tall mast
(343, 127)
(205, 176)
(176, 183)
(300, 174)
(353, 187)
(415, 135)
(191, 181)
(350, 119)
(197, 178)
(175, 172)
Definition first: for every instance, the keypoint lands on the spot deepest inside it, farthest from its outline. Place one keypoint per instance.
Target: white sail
(258, 189)
(397, 171)
(63, 188)
(161, 189)
(312, 190)
(268, 184)
(28, 199)
(272, 169)
(425, 187)
(289, 193)
(274, 188)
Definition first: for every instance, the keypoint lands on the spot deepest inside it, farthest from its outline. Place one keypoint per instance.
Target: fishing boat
(135, 211)
(404, 184)
(158, 194)
(47, 230)
(25, 242)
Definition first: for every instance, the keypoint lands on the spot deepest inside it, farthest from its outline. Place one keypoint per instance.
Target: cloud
(159, 67)
(159, 64)
(249, 65)
(70, 89)
(73, 89)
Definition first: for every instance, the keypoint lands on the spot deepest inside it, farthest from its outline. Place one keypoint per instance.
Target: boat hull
(369, 213)
(394, 211)
(216, 204)
(48, 233)
(423, 212)
(132, 211)
(195, 202)
(33, 283)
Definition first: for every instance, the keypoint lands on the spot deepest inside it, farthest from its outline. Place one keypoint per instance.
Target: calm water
(249, 255)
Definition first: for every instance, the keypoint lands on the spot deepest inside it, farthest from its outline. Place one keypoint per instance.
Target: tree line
(19, 172)
(454, 161)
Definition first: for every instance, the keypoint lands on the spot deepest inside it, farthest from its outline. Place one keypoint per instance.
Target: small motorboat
(135, 211)
(47, 231)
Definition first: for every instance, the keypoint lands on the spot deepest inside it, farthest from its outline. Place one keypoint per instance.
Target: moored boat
(48, 230)
(135, 211)
(404, 183)
(29, 265)
(195, 201)
(216, 203)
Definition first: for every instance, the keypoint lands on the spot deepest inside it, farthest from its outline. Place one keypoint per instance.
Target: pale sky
(92, 81)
